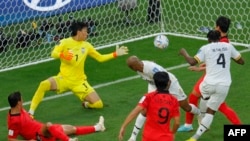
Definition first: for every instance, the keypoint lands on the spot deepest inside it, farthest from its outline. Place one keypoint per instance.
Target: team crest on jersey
(83, 50)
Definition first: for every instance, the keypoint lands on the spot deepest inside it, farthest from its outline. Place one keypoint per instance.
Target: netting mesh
(188, 17)
(30, 28)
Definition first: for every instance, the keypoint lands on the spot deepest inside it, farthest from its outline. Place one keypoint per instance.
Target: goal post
(29, 29)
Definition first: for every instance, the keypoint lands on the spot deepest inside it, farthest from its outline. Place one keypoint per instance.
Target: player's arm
(191, 60)
(176, 117)
(176, 124)
(105, 57)
(201, 67)
(239, 60)
(134, 113)
(237, 56)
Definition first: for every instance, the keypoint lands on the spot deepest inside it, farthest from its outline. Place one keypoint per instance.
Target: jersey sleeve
(143, 101)
(99, 57)
(57, 49)
(235, 54)
(200, 56)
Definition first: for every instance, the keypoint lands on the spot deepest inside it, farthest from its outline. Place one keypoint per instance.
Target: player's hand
(194, 68)
(121, 134)
(67, 55)
(123, 50)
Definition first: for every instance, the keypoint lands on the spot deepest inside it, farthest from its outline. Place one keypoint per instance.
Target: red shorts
(197, 84)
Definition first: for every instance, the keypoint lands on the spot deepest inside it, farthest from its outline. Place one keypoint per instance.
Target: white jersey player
(215, 86)
(150, 68)
(146, 69)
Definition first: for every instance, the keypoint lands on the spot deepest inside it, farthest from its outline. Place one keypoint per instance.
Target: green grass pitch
(120, 98)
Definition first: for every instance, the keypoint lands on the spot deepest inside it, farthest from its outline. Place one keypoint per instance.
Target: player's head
(213, 36)
(14, 98)
(135, 63)
(79, 30)
(162, 81)
(222, 24)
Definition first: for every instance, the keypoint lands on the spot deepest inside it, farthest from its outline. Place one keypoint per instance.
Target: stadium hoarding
(15, 11)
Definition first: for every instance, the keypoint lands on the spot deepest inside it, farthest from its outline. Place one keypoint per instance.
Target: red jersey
(161, 108)
(22, 124)
(224, 39)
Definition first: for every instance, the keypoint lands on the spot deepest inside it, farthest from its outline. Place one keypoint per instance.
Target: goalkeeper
(72, 53)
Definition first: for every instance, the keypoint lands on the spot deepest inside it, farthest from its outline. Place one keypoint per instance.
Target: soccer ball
(161, 41)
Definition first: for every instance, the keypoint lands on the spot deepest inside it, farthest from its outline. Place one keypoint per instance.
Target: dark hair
(223, 23)
(77, 26)
(213, 36)
(13, 98)
(161, 80)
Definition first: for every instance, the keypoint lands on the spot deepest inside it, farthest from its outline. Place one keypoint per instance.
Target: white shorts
(174, 89)
(216, 94)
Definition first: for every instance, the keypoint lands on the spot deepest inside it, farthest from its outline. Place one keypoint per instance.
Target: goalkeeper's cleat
(191, 139)
(73, 139)
(101, 124)
(183, 128)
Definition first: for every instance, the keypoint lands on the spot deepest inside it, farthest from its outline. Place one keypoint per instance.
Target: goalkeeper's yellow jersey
(73, 70)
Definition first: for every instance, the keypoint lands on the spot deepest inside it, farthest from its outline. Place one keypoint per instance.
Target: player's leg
(193, 98)
(188, 107)
(57, 132)
(88, 96)
(216, 94)
(139, 122)
(83, 130)
(230, 114)
(178, 92)
(46, 85)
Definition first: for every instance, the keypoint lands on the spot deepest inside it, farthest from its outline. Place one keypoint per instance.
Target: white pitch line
(107, 84)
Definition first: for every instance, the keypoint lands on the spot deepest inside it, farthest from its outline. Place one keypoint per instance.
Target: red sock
(57, 132)
(193, 100)
(229, 113)
(82, 130)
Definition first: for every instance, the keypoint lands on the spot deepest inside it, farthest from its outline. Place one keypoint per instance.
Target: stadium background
(121, 96)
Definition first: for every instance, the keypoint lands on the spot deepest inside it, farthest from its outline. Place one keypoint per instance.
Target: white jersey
(217, 57)
(150, 68)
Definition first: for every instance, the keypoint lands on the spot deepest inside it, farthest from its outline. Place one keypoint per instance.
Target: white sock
(194, 109)
(138, 125)
(204, 126)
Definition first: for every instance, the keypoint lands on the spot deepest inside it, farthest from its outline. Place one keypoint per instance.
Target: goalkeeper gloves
(123, 50)
(67, 55)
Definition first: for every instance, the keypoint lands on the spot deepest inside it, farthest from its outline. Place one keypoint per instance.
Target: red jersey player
(222, 25)
(160, 107)
(21, 124)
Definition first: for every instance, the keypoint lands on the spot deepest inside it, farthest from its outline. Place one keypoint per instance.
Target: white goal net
(29, 29)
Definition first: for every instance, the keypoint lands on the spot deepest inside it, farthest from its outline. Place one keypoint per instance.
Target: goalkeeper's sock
(37, 98)
(82, 130)
(190, 116)
(58, 133)
(229, 113)
(138, 125)
(98, 105)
